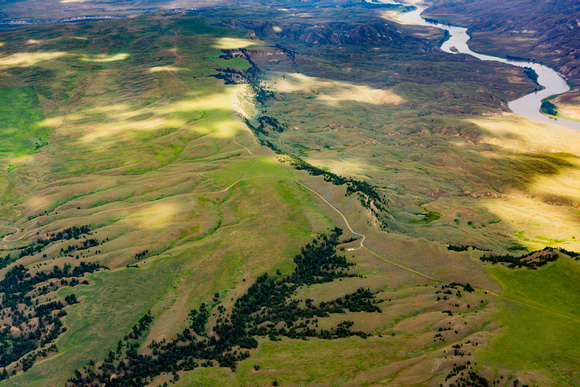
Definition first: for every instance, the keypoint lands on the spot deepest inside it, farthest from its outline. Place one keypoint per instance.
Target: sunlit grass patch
(333, 92)
(106, 58)
(21, 122)
(235, 63)
(537, 224)
(27, 59)
(165, 68)
(234, 43)
(252, 168)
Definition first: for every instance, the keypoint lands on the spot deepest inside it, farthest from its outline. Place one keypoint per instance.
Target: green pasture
(542, 336)
(21, 121)
(113, 304)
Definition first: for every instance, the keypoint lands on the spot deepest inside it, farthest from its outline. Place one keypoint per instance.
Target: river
(527, 106)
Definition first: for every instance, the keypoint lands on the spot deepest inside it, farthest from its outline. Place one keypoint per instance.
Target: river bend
(528, 105)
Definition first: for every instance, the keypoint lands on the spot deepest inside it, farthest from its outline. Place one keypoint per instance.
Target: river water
(529, 105)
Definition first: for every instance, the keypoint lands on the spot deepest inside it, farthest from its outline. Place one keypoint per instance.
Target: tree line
(532, 260)
(66, 234)
(267, 309)
(368, 194)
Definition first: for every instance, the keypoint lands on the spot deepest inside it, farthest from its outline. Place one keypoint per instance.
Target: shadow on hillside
(439, 141)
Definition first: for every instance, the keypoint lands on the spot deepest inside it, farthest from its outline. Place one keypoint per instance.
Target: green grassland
(123, 128)
(21, 113)
(534, 338)
(141, 143)
(432, 132)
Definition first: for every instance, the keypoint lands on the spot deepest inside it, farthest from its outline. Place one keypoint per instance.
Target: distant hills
(548, 31)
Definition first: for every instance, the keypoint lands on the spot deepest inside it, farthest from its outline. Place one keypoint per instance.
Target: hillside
(278, 196)
(546, 31)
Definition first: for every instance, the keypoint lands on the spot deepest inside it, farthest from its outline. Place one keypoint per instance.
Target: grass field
(496, 180)
(121, 126)
(533, 339)
(142, 148)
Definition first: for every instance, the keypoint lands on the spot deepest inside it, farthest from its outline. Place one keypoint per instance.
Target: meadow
(122, 126)
(543, 338)
(433, 134)
(143, 149)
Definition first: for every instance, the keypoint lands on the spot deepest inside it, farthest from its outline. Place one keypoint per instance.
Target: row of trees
(532, 260)
(268, 309)
(369, 195)
(66, 234)
(464, 248)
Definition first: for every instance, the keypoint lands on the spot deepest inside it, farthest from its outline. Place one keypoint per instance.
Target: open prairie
(494, 180)
(173, 159)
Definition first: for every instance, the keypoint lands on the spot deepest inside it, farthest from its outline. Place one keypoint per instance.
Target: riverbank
(528, 105)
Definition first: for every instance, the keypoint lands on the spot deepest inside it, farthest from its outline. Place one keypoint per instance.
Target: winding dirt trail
(15, 232)
(12, 227)
(17, 239)
(521, 302)
(344, 218)
(240, 145)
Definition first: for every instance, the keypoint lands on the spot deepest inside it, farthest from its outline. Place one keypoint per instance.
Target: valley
(279, 195)
(547, 32)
